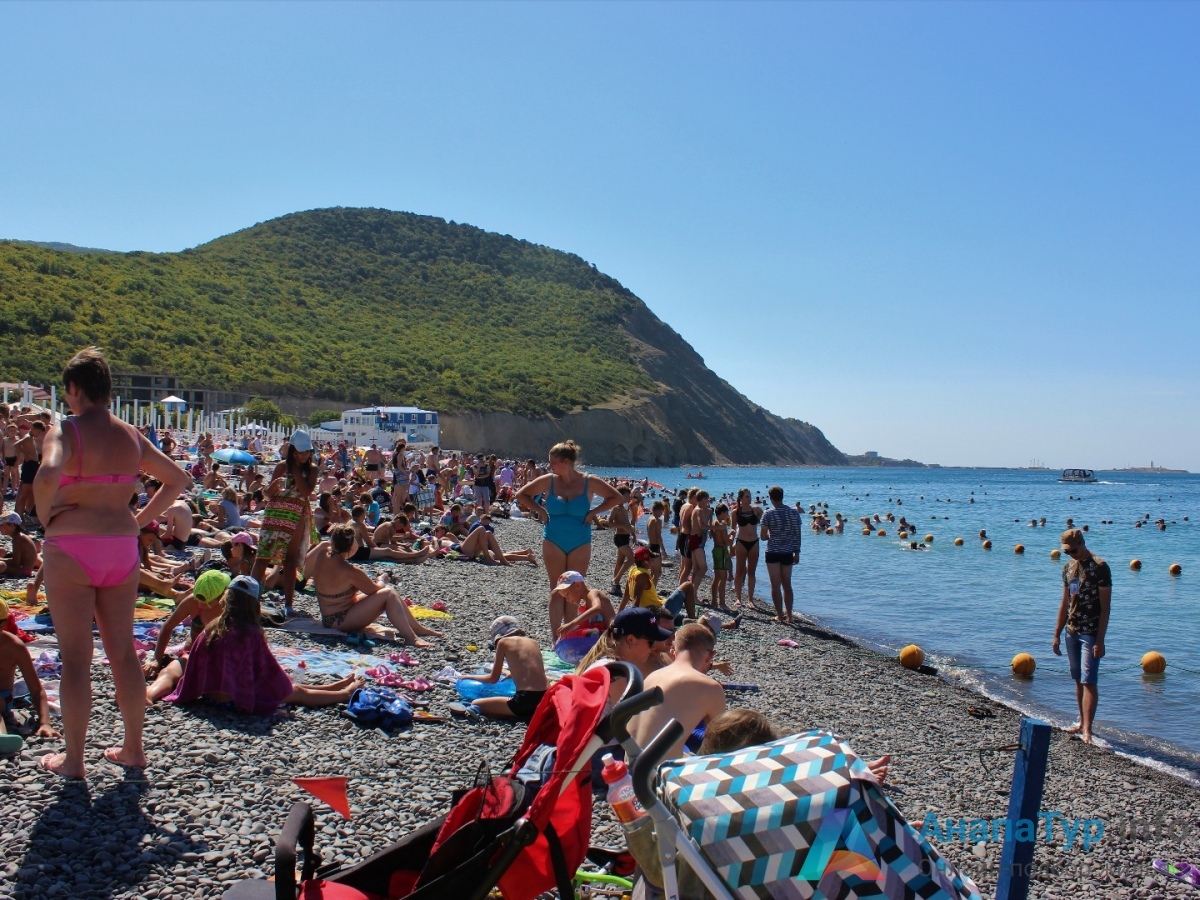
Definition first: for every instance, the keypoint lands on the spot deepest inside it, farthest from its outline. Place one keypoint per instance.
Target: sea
(971, 610)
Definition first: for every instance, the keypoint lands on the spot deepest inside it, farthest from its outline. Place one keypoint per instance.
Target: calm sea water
(972, 610)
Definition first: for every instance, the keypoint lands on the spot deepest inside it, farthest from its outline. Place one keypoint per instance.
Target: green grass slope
(353, 305)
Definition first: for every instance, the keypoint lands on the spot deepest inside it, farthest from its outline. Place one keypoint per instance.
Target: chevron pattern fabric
(802, 817)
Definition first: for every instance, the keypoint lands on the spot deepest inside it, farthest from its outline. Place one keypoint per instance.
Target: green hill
(365, 306)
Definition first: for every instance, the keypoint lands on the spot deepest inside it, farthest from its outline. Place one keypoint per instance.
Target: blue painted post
(1024, 802)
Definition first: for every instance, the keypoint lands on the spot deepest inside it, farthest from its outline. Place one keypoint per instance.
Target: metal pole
(1024, 800)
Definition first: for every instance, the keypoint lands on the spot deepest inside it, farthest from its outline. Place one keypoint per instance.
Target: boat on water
(699, 474)
(1078, 476)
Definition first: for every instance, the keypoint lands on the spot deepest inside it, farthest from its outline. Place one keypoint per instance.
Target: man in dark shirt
(1086, 599)
(780, 528)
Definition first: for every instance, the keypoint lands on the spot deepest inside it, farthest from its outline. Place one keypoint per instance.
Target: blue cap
(246, 585)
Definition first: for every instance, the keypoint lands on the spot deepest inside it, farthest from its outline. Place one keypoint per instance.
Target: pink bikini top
(91, 479)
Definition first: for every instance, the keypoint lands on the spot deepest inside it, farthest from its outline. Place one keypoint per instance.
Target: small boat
(699, 474)
(1078, 476)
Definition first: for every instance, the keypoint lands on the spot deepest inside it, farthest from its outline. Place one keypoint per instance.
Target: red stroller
(525, 832)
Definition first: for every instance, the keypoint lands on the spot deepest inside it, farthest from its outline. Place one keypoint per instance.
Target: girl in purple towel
(231, 662)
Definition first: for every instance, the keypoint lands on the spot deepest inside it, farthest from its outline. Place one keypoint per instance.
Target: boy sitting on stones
(14, 657)
(523, 657)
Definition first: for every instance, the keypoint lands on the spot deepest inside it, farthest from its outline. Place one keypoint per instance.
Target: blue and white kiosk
(386, 424)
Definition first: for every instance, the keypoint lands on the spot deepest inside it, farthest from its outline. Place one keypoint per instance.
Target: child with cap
(591, 607)
(204, 604)
(523, 657)
(232, 662)
(14, 657)
(23, 558)
(641, 592)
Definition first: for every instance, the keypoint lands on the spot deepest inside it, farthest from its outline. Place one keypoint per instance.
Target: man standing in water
(780, 528)
(1086, 600)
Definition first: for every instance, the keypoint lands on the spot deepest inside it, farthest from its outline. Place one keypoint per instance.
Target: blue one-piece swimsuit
(564, 526)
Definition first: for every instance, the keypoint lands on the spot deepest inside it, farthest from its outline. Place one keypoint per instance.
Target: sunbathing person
(179, 530)
(523, 657)
(571, 594)
(481, 544)
(232, 662)
(349, 599)
(367, 549)
(23, 558)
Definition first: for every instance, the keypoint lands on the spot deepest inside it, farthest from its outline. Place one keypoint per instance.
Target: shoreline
(217, 789)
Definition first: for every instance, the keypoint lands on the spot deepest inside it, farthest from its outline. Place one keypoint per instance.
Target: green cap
(210, 585)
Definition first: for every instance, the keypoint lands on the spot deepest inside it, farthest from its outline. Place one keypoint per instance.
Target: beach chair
(525, 832)
(800, 817)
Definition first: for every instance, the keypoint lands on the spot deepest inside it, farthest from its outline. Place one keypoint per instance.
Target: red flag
(331, 789)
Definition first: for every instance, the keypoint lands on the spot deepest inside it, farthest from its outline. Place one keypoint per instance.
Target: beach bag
(378, 708)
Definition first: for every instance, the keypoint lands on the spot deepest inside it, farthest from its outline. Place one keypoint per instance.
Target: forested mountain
(364, 306)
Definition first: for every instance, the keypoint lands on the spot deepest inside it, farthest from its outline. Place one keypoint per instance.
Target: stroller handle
(646, 765)
(300, 828)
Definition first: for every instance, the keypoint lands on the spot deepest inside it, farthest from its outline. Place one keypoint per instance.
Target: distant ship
(1078, 476)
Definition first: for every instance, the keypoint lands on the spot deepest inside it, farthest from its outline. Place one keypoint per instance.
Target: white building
(386, 424)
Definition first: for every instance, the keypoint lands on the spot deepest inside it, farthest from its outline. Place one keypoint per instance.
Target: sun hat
(11, 519)
(301, 441)
(246, 585)
(639, 621)
(502, 627)
(713, 621)
(244, 537)
(570, 577)
(210, 585)
(1071, 539)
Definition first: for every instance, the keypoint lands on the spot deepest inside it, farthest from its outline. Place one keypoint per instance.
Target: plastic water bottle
(621, 795)
(635, 821)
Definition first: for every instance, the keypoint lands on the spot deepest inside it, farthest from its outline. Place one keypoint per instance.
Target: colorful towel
(338, 663)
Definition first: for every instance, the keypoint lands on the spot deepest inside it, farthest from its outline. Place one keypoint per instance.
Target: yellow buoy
(1154, 663)
(929, 538)
(903, 535)
(1176, 569)
(958, 542)
(882, 532)
(1019, 549)
(912, 657)
(1055, 553)
(866, 531)
(1135, 564)
(1023, 664)
(987, 545)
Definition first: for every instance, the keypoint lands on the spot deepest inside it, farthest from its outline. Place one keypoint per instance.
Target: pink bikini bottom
(107, 560)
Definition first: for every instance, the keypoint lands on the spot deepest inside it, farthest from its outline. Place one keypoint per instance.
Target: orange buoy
(929, 538)
(829, 531)
(987, 545)
(1176, 569)
(912, 657)
(882, 532)
(1019, 549)
(1023, 664)
(903, 535)
(958, 542)
(1135, 564)
(1055, 553)
(1154, 663)
(866, 531)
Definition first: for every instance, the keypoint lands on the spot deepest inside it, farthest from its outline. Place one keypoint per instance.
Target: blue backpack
(378, 708)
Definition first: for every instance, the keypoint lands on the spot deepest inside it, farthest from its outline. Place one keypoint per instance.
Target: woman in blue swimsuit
(566, 512)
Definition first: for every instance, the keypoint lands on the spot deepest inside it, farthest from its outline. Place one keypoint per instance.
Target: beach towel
(322, 661)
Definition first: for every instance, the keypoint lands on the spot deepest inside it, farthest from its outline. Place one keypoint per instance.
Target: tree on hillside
(261, 409)
(324, 415)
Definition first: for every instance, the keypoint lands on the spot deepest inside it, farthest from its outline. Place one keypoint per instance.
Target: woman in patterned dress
(287, 518)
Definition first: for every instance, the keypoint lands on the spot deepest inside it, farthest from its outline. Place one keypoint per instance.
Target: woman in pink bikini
(89, 465)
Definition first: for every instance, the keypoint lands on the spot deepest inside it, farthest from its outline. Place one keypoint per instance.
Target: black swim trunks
(29, 470)
(525, 703)
(192, 541)
(784, 558)
(621, 540)
(362, 554)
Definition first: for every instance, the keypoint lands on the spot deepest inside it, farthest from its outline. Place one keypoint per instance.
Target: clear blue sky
(962, 232)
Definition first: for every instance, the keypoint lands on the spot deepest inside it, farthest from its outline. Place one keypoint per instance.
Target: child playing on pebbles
(14, 658)
(23, 558)
(523, 657)
(231, 662)
(204, 604)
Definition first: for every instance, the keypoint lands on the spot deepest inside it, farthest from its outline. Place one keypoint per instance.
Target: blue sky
(966, 233)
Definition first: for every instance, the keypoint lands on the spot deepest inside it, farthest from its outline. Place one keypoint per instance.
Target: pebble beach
(205, 812)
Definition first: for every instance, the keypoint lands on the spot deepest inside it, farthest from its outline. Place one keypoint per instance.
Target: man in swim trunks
(29, 454)
(1084, 611)
(780, 528)
(623, 534)
(523, 657)
(373, 462)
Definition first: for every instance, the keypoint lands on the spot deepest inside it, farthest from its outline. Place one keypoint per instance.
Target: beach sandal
(1184, 871)
(787, 642)
(420, 715)
(460, 710)
(419, 685)
(439, 605)
(401, 658)
(358, 639)
(981, 712)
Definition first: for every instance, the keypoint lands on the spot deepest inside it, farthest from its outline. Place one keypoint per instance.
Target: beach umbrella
(234, 457)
